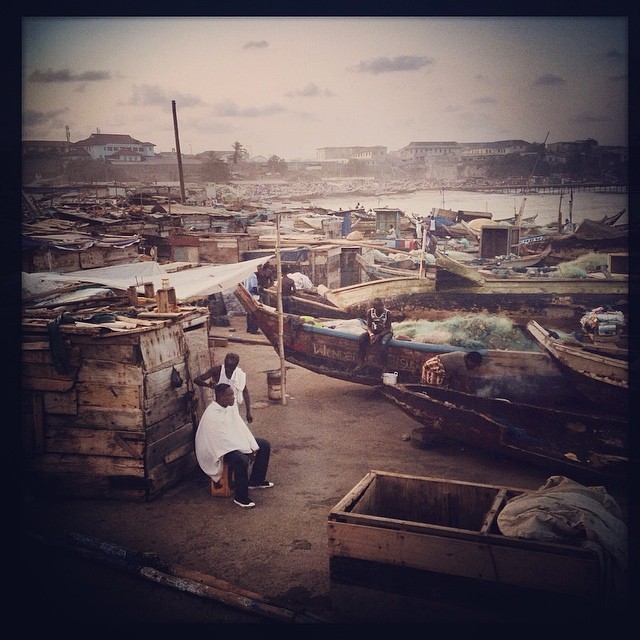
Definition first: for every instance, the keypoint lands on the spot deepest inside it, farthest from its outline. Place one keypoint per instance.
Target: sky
(287, 86)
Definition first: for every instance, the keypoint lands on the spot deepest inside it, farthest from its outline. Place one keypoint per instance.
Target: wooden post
(133, 295)
(148, 290)
(172, 298)
(283, 372)
(162, 299)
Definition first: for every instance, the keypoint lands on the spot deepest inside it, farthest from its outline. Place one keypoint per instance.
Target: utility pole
(175, 127)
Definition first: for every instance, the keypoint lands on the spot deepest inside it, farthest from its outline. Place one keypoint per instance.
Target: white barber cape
(221, 429)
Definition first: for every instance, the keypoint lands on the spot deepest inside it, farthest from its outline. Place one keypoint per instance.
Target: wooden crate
(430, 527)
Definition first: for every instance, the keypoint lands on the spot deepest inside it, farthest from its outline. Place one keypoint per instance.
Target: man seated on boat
(378, 329)
(451, 370)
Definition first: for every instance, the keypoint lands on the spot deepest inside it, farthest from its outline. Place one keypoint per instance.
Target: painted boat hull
(334, 353)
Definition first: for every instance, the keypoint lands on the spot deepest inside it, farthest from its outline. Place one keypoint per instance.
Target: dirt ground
(324, 440)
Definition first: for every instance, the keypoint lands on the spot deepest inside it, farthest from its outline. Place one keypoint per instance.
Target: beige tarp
(190, 284)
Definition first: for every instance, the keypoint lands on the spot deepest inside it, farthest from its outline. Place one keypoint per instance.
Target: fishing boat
(583, 443)
(511, 261)
(378, 271)
(331, 349)
(604, 378)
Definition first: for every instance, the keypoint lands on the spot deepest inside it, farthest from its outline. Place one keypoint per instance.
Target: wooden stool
(224, 487)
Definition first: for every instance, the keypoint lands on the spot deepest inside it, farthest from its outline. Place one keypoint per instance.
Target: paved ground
(325, 439)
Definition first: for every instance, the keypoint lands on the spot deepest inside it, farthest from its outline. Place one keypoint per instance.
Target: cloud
(256, 44)
(231, 109)
(31, 118)
(311, 90)
(399, 63)
(547, 80)
(64, 75)
(484, 100)
(586, 117)
(146, 95)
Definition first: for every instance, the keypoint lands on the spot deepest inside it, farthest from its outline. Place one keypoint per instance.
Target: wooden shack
(109, 406)
(214, 248)
(67, 252)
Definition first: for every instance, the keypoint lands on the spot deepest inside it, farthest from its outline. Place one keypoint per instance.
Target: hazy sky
(288, 86)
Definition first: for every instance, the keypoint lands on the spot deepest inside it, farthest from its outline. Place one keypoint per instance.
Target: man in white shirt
(232, 375)
(223, 436)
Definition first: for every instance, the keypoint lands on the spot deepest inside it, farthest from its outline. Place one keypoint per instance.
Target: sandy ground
(324, 440)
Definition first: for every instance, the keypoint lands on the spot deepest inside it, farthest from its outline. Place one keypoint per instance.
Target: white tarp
(190, 284)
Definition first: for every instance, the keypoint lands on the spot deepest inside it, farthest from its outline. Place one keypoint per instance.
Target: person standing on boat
(266, 278)
(223, 436)
(232, 375)
(378, 329)
(251, 285)
(451, 370)
(287, 289)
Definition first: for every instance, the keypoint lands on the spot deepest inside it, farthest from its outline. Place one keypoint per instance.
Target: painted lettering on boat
(327, 352)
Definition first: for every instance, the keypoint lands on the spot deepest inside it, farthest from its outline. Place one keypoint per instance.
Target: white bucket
(390, 378)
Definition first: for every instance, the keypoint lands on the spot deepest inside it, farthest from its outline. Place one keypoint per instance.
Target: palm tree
(238, 152)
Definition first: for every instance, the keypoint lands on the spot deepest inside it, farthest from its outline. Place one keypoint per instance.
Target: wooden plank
(493, 512)
(171, 403)
(110, 351)
(61, 403)
(62, 463)
(170, 474)
(35, 383)
(157, 451)
(158, 382)
(158, 347)
(536, 569)
(90, 417)
(109, 396)
(112, 373)
(93, 442)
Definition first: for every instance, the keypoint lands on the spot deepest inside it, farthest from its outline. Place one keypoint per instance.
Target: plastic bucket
(390, 378)
(274, 385)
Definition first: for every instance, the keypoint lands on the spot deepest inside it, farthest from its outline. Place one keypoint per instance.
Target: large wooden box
(426, 526)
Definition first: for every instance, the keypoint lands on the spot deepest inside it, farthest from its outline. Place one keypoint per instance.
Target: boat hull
(334, 353)
(578, 444)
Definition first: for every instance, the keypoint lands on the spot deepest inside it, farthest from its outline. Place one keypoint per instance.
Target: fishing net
(477, 331)
(583, 265)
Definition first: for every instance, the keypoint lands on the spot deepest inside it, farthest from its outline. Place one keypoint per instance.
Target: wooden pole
(179, 155)
(283, 386)
(560, 215)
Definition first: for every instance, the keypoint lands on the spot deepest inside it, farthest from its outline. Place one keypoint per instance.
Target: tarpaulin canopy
(190, 284)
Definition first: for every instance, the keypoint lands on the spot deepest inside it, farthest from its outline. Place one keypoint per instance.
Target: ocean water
(586, 204)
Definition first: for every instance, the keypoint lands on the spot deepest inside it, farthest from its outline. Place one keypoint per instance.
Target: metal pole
(283, 386)
(175, 127)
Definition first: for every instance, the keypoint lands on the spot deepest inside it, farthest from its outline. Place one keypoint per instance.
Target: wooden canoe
(334, 352)
(582, 443)
(601, 377)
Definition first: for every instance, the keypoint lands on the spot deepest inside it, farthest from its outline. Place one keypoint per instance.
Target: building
(101, 146)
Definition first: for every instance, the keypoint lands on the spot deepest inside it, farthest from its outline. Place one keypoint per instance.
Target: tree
(239, 152)
(277, 165)
(214, 170)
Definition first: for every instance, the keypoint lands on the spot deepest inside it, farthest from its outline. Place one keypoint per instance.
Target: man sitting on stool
(223, 436)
